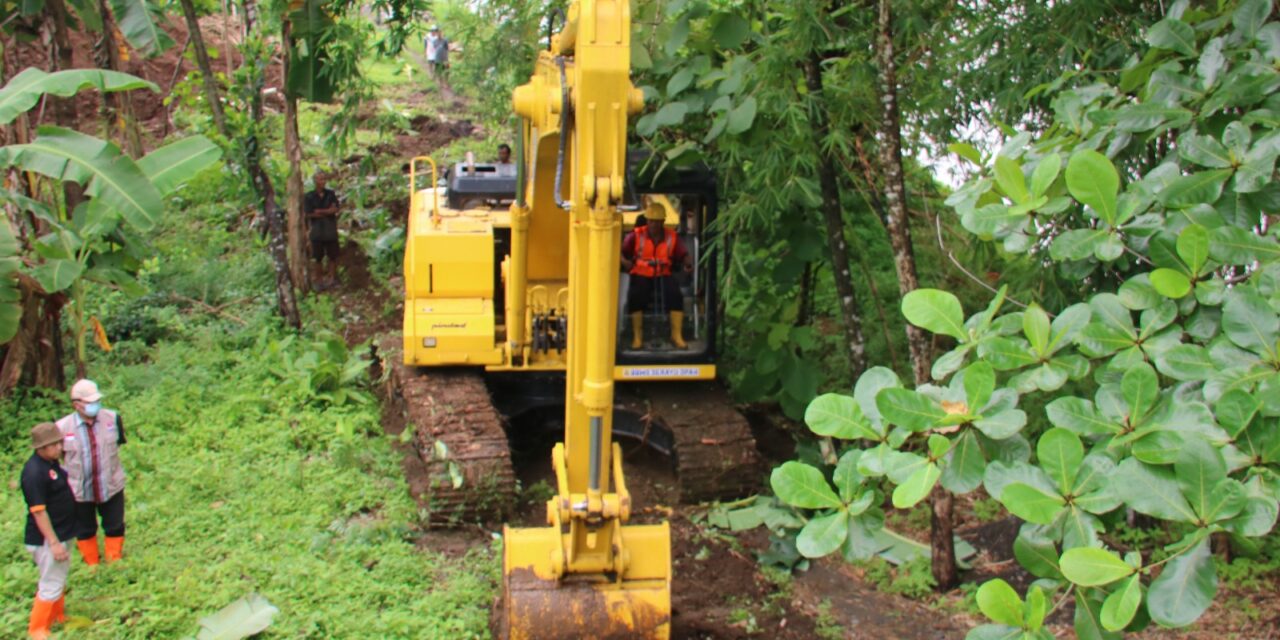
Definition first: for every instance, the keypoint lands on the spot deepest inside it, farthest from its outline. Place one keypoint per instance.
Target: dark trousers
(640, 295)
(111, 512)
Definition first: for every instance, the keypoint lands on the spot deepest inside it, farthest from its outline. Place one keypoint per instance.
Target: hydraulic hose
(565, 107)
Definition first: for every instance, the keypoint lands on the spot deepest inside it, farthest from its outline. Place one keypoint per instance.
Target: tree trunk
(945, 571)
(34, 356)
(264, 189)
(833, 216)
(117, 109)
(211, 93)
(64, 109)
(297, 227)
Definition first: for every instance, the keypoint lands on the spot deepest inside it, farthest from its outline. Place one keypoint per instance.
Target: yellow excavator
(512, 284)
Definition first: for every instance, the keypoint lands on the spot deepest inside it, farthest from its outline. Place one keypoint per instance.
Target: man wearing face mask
(91, 443)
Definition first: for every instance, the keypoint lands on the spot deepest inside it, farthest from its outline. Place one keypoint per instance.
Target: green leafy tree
(1160, 384)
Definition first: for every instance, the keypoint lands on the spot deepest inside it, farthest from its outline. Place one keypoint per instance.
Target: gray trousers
(53, 574)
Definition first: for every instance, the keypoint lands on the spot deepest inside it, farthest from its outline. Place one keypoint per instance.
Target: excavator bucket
(540, 605)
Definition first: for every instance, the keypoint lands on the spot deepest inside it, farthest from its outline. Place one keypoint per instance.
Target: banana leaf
(134, 19)
(26, 88)
(171, 165)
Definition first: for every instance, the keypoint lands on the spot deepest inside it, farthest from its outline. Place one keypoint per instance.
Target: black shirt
(45, 483)
(325, 228)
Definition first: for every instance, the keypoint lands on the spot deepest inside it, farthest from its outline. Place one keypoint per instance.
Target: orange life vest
(653, 259)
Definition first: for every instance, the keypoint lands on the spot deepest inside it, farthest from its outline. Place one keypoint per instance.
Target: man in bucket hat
(51, 523)
(92, 439)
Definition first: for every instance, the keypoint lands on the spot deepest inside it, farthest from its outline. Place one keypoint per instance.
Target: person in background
(504, 153)
(436, 48)
(648, 254)
(320, 206)
(92, 437)
(51, 524)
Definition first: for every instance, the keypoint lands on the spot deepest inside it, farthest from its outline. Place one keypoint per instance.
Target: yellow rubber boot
(89, 551)
(637, 330)
(677, 330)
(41, 619)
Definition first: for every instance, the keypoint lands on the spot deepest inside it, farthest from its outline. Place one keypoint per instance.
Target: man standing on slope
(51, 523)
(91, 442)
(436, 48)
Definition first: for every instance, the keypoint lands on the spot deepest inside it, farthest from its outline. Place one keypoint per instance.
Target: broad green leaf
(837, 416)
(1184, 589)
(1093, 567)
(1170, 283)
(1087, 622)
(1092, 180)
(1068, 324)
(1250, 322)
(846, 476)
(1197, 188)
(1077, 244)
(1037, 609)
(679, 82)
(1079, 416)
(1235, 410)
(801, 485)
(870, 384)
(1233, 245)
(1060, 452)
(670, 114)
(999, 602)
(966, 151)
(1204, 151)
(1174, 35)
(57, 275)
(742, 116)
(916, 487)
(1140, 388)
(1036, 326)
(1249, 17)
(1185, 362)
(677, 37)
(909, 409)
(1158, 447)
(822, 535)
(173, 164)
(1122, 604)
(24, 90)
(111, 176)
(1010, 179)
(1007, 354)
(1198, 467)
(1094, 490)
(243, 618)
(965, 464)
(1002, 425)
(1001, 474)
(995, 632)
(134, 21)
(935, 311)
(1045, 173)
(938, 445)
(1193, 247)
(1037, 555)
(979, 381)
(1154, 491)
(1031, 504)
(731, 30)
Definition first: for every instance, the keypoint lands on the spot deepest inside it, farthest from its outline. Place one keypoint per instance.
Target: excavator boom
(588, 574)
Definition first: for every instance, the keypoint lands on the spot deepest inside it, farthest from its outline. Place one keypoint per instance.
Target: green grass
(238, 483)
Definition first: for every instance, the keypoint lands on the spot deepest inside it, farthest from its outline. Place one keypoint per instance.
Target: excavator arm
(588, 574)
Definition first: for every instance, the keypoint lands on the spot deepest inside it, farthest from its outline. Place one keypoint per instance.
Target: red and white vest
(653, 259)
(100, 443)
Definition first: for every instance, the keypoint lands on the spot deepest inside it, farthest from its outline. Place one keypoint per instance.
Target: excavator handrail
(413, 187)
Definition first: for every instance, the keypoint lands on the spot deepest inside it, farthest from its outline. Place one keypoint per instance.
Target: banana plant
(1041, 353)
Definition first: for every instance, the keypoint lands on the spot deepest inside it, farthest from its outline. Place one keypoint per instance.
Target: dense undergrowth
(247, 472)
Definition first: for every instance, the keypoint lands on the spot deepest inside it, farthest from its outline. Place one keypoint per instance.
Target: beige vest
(108, 472)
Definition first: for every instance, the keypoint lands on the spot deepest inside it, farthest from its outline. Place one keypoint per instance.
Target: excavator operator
(647, 254)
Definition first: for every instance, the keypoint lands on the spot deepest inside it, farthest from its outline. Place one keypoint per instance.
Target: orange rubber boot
(59, 613)
(89, 550)
(114, 548)
(41, 612)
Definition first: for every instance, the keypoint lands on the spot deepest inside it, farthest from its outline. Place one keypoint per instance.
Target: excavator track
(696, 424)
(458, 434)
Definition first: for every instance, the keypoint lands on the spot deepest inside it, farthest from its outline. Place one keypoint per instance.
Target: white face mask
(91, 410)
